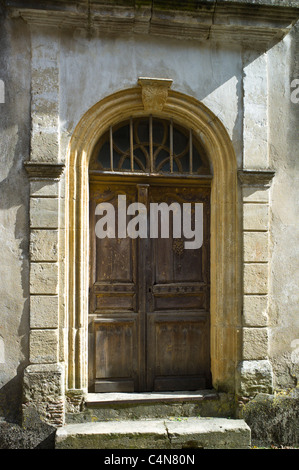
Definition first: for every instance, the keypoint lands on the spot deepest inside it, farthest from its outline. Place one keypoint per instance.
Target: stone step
(171, 433)
(153, 405)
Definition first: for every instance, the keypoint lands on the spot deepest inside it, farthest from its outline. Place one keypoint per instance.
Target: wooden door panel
(179, 296)
(149, 301)
(115, 358)
(179, 355)
(173, 383)
(115, 260)
(114, 296)
(115, 302)
(180, 347)
(113, 349)
(180, 302)
(174, 263)
(179, 287)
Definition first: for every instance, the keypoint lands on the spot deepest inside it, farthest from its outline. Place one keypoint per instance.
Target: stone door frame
(59, 279)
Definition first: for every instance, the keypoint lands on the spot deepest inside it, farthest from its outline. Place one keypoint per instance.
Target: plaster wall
(283, 154)
(91, 69)
(14, 201)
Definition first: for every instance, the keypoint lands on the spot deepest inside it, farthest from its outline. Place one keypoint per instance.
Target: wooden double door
(149, 322)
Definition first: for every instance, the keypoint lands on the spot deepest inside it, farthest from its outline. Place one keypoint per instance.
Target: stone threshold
(98, 399)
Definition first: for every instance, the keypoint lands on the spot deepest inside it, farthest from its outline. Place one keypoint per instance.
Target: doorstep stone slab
(150, 434)
(176, 433)
(208, 433)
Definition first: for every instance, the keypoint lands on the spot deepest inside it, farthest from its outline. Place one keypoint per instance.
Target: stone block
(256, 278)
(253, 194)
(43, 346)
(42, 188)
(150, 434)
(255, 343)
(43, 278)
(43, 393)
(45, 146)
(255, 310)
(151, 405)
(44, 212)
(255, 246)
(255, 217)
(45, 48)
(273, 419)
(43, 311)
(45, 101)
(207, 433)
(255, 377)
(255, 86)
(44, 245)
(255, 137)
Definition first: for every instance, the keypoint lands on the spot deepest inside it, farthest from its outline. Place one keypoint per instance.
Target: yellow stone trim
(154, 93)
(225, 265)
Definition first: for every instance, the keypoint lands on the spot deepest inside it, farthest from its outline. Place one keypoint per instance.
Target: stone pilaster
(44, 381)
(255, 102)
(44, 96)
(255, 371)
(44, 377)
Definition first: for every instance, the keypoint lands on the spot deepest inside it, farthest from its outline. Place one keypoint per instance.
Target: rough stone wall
(273, 419)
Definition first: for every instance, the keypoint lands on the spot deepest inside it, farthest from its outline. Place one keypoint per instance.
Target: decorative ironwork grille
(150, 145)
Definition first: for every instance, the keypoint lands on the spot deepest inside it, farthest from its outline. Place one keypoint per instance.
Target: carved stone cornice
(248, 22)
(256, 177)
(154, 92)
(44, 169)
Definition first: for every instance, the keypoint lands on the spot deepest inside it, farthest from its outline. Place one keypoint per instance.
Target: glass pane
(162, 162)
(180, 141)
(160, 131)
(197, 162)
(121, 138)
(126, 163)
(104, 156)
(116, 160)
(141, 159)
(142, 131)
(183, 161)
(161, 147)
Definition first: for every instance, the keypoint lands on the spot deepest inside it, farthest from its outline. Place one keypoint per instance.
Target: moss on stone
(274, 419)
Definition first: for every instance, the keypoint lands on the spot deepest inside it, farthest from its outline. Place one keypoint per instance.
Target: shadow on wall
(14, 214)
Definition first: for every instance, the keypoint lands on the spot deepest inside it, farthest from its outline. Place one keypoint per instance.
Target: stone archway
(155, 95)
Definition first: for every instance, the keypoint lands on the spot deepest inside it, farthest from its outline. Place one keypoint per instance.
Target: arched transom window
(150, 145)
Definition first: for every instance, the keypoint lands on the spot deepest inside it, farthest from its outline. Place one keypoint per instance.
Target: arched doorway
(149, 293)
(225, 267)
